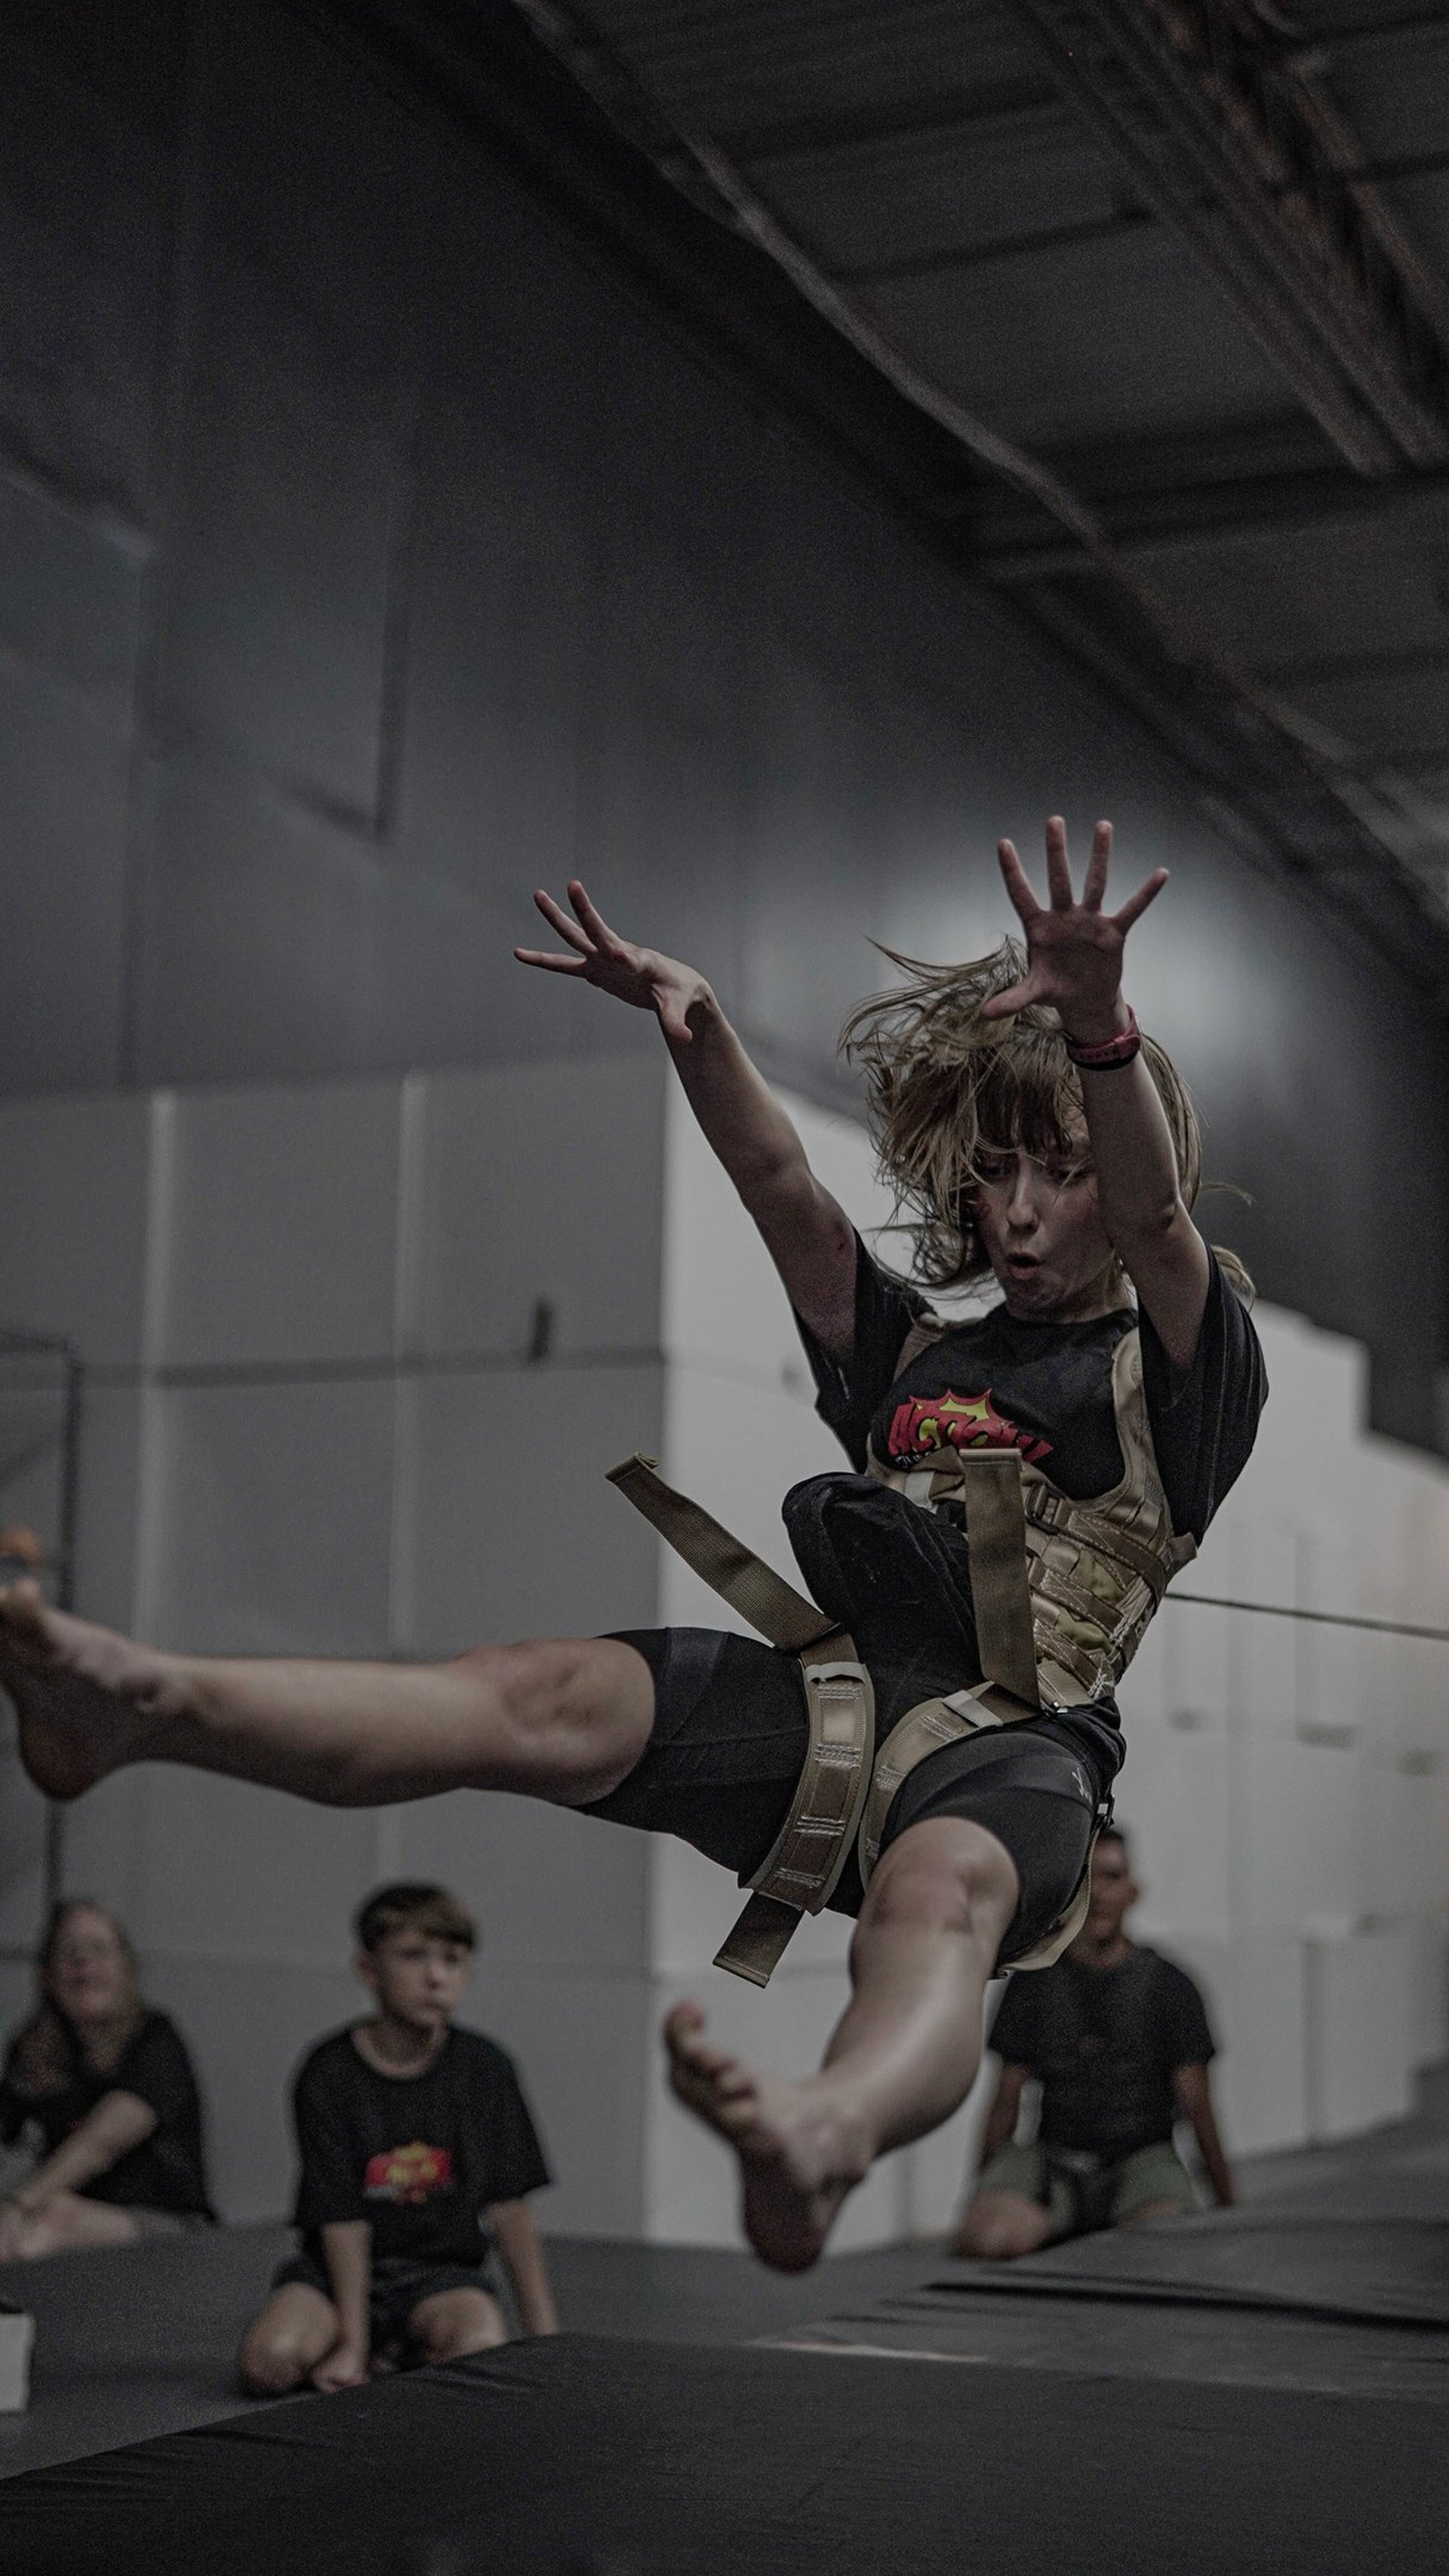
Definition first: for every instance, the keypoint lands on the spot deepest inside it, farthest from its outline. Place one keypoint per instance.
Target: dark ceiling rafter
(1214, 117)
(1301, 799)
(1014, 548)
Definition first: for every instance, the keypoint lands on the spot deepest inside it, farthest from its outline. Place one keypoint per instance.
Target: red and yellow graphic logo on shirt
(410, 2174)
(924, 1425)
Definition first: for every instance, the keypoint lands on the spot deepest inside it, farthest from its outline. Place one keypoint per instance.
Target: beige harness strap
(924, 1729)
(799, 1873)
(996, 1541)
(729, 1567)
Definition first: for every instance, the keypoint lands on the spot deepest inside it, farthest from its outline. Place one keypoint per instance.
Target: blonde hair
(945, 1086)
(47, 2047)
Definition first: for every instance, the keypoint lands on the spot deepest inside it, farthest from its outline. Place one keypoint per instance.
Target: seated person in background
(1119, 2041)
(416, 2151)
(108, 2085)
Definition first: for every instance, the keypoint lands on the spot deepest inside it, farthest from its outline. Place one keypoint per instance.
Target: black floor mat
(590, 2457)
(1382, 2271)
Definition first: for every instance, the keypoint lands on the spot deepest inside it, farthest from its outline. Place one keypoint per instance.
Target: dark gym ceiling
(1142, 306)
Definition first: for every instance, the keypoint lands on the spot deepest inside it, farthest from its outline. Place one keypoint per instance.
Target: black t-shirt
(168, 2169)
(420, 2157)
(998, 1382)
(1105, 2044)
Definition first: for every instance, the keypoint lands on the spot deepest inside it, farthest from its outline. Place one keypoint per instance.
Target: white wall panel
(276, 1525)
(540, 1182)
(1298, 1815)
(233, 1872)
(108, 1531)
(1428, 1991)
(22, 1845)
(513, 1530)
(1174, 1797)
(723, 1299)
(588, 2054)
(737, 1446)
(551, 1891)
(73, 1245)
(1253, 1984)
(283, 1240)
(106, 1849)
(248, 2024)
(1359, 2021)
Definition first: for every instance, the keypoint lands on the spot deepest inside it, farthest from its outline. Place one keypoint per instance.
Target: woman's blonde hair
(946, 1086)
(47, 2047)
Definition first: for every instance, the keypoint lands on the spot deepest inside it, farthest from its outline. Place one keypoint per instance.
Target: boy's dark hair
(1115, 1833)
(419, 1906)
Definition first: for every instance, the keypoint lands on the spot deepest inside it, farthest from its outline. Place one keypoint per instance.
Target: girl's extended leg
(904, 2054)
(566, 1722)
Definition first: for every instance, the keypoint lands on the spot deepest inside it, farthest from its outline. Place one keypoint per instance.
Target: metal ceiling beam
(1016, 547)
(1214, 117)
(603, 149)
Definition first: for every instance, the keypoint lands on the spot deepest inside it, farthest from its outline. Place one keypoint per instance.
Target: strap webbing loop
(729, 1567)
(996, 1540)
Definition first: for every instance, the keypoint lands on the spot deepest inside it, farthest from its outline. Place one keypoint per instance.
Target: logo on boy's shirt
(410, 2174)
(924, 1425)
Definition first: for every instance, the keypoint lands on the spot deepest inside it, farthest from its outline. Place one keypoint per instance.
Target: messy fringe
(945, 1085)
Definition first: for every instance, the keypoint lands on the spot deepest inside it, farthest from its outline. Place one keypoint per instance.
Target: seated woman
(108, 2085)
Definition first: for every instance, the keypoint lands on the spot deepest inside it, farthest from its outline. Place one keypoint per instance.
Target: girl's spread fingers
(557, 919)
(554, 965)
(1023, 901)
(1094, 884)
(593, 921)
(1133, 909)
(1059, 874)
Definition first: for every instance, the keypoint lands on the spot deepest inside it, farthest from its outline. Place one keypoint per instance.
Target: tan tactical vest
(1062, 1593)
(1095, 1571)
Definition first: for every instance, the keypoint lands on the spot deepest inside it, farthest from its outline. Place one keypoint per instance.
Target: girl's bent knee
(271, 2369)
(947, 1874)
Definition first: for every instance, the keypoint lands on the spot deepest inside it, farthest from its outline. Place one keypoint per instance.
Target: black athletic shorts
(730, 1737)
(395, 2288)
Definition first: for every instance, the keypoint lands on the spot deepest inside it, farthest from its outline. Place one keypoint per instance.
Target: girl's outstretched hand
(1074, 950)
(639, 976)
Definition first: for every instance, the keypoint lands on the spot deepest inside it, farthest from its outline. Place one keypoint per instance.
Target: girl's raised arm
(807, 1235)
(1074, 963)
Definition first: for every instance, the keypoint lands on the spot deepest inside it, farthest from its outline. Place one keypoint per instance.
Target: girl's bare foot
(800, 2149)
(86, 1699)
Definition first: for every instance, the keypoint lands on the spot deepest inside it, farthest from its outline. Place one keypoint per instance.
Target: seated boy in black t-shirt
(416, 2151)
(1118, 2039)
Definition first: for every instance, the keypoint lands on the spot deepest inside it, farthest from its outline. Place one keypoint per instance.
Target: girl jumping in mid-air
(1023, 1486)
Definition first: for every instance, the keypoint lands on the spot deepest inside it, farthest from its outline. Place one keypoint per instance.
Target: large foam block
(73, 1246)
(553, 1893)
(506, 1525)
(274, 1527)
(242, 1873)
(535, 1211)
(282, 1241)
(1360, 2033)
(1253, 1983)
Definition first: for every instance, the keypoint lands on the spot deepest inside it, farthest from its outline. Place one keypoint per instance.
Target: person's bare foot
(800, 2150)
(86, 1699)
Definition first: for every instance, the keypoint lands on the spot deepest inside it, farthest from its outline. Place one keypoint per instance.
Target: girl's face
(1040, 1229)
(88, 1978)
